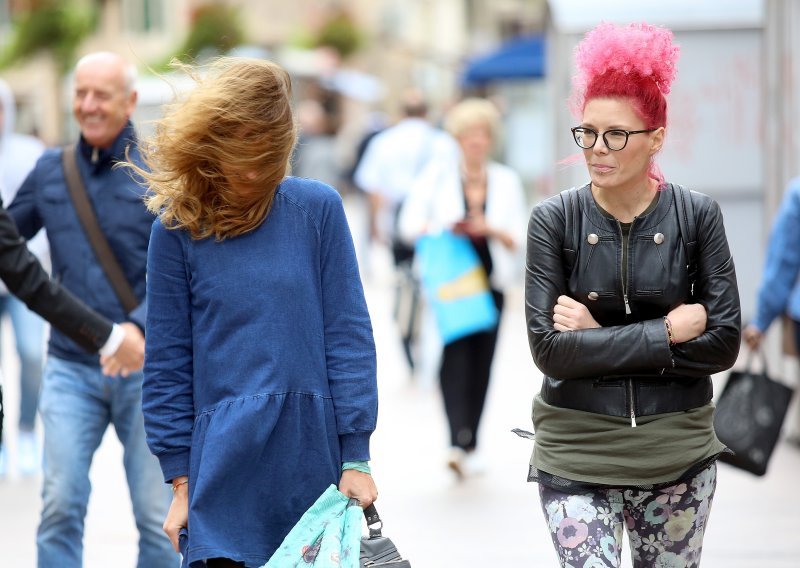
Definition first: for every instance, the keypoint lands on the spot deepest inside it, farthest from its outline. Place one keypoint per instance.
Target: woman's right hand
(752, 336)
(178, 514)
(688, 322)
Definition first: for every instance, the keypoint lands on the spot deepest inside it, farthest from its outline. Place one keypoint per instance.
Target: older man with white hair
(81, 393)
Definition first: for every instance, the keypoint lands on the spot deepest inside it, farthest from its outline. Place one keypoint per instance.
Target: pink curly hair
(637, 62)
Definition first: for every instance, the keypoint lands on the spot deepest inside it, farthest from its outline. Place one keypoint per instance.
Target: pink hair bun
(638, 48)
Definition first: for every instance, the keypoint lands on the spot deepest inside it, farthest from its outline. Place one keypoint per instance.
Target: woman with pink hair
(631, 305)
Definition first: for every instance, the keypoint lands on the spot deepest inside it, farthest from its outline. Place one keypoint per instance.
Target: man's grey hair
(129, 69)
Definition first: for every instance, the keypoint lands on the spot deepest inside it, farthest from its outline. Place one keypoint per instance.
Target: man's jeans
(77, 404)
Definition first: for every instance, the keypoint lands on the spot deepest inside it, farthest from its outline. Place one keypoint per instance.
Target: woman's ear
(657, 140)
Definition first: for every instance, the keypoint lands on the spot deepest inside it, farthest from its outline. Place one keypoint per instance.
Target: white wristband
(114, 341)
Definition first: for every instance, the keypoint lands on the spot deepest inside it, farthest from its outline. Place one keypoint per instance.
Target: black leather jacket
(27, 280)
(626, 367)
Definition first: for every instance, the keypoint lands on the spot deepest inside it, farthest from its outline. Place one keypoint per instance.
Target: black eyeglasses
(615, 139)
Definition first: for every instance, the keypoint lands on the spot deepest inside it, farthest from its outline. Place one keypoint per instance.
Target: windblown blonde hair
(237, 123)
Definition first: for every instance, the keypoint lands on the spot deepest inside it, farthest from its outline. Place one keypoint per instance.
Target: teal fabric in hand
(328, 535)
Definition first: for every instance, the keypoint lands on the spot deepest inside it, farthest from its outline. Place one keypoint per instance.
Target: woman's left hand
(475, 226)
(178, 514)
(358, 485)
(570, 315)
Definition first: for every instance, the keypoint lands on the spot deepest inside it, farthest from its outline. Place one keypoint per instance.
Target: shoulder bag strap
(688, 228)
(572, 220)
(97, 239)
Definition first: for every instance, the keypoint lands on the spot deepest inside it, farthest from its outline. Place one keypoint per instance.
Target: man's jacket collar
(97, 158)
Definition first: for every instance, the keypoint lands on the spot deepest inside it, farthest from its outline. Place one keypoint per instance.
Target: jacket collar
(98, 158)
(643, 222)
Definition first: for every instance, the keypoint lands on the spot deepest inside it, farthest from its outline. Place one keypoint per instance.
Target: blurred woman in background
(483, 200)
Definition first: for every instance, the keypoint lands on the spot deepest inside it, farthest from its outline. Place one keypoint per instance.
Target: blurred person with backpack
(18, 155)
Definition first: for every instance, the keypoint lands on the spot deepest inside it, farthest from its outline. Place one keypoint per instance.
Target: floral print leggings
(665, 526)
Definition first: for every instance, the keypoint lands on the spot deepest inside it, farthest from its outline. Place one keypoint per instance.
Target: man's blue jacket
(43, 201)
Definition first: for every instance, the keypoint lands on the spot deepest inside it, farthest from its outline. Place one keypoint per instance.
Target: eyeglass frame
(598, 135)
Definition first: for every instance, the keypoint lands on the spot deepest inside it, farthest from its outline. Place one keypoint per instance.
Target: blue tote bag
(455, 285)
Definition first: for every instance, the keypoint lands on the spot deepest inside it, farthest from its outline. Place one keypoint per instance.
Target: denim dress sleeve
(349, 343)
(167, 399)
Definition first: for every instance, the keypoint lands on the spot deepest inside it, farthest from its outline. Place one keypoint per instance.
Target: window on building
(5, 20)
(143, 16)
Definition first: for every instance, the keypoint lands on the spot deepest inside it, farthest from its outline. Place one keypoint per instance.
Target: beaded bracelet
(176, 485)
(670, 336)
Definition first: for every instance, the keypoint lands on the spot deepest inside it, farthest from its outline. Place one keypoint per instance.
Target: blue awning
(520, 58)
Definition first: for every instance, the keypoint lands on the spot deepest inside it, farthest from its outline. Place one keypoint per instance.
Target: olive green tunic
(605, 450)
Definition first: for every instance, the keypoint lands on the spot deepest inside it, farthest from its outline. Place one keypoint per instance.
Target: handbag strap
(94, 233)
(748, 362)
(374, 523)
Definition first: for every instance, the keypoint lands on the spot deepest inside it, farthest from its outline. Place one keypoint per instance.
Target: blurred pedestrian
(376, 122)
(483, 200)
(625, 334)
(78, 402)
(315, 152)
(779, 292)
(25, 277)
(391, 162)
(260, 375)
(18, 154)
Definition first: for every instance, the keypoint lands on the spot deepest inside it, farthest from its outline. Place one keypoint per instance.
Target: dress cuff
(354, 446)
(174, 465)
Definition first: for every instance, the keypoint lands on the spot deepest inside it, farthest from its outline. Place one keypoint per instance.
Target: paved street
(490, 521)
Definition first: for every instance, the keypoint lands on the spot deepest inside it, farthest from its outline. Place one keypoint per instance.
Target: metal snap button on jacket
(592, 239)
(658, 238)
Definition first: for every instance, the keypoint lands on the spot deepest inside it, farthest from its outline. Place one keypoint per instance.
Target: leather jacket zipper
(622, 268)
(632, 403)
(627, 311)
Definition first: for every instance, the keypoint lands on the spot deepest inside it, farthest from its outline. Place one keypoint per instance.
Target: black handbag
(376, 549)
(749, 416)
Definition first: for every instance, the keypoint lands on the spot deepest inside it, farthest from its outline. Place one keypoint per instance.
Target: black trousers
(223, 563)
(464, 375)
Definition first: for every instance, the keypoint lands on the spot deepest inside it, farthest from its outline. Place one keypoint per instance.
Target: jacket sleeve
(26, 279)
(349, 344)
(139, 314)
(716, 289)
(167, 397)
(23, 209)
(640, 347)
(783, 260)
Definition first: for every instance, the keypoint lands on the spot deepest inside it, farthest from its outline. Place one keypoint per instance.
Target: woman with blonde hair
(260, 383)
(483, 200)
